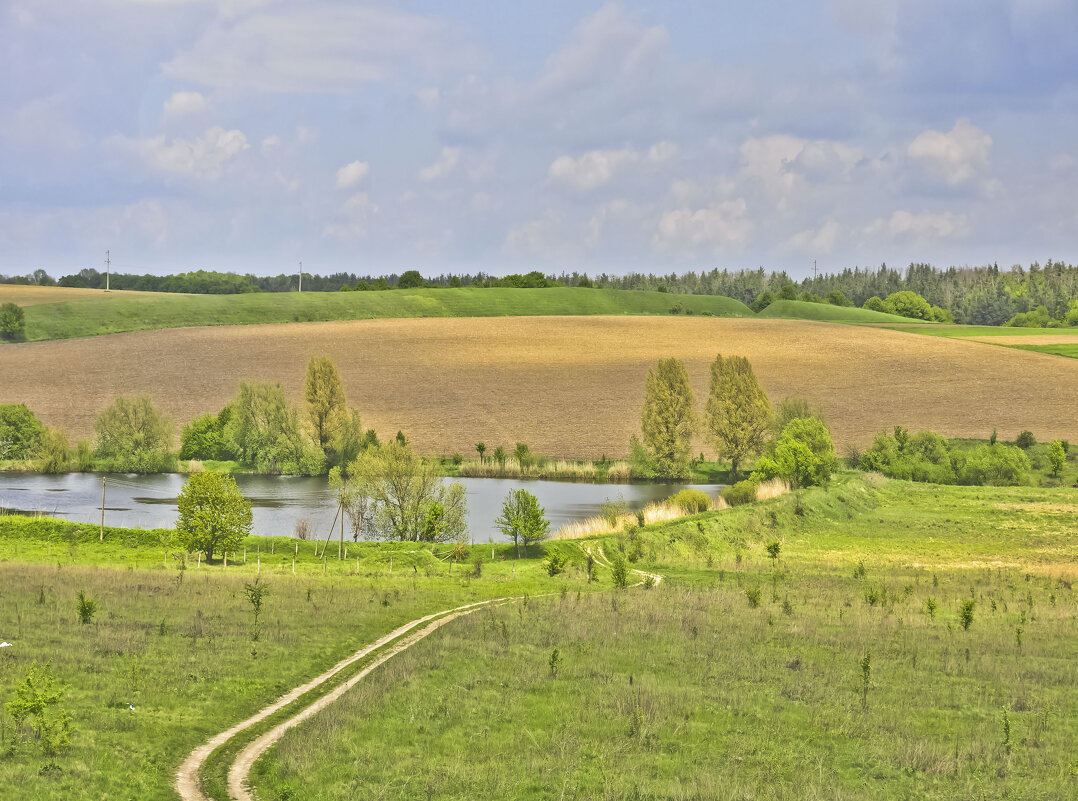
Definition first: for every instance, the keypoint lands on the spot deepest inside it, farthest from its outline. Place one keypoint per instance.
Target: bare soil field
(568, 386)
(34, 295)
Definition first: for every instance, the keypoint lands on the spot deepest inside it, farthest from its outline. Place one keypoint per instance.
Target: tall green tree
(668, 418)
(523, 519)
(738, 410)
(326, 405)
(214, 515)
(409, 499)
(133, 436)
(264, 430)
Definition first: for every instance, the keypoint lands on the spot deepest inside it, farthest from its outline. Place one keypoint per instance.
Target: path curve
(187, 782)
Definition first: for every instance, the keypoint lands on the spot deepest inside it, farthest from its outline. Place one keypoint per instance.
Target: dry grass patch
(568, 386)
(34, 295)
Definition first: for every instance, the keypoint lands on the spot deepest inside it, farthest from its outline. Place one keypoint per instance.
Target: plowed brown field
(569, 386)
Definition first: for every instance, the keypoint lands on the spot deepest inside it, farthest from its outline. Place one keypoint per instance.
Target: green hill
(825, 312)
(118, 311)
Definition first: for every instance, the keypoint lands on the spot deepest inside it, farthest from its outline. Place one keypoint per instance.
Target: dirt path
(187, 781)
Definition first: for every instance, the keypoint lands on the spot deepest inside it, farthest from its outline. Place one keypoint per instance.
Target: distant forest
(973, 295)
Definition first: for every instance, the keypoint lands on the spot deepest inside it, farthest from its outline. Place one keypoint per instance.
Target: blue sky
(450, 137)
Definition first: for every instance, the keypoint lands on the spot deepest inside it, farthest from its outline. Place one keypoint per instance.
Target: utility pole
(101, 538)
(301, 276)
(814, 271)
(108, 268)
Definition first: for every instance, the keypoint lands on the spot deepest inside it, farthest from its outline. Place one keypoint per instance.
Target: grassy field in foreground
(121, 311)
(177, 644)
(689, 691)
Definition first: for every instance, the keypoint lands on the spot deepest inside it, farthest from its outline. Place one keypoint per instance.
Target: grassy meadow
(99, 313)
(176, 644)
(688, 690)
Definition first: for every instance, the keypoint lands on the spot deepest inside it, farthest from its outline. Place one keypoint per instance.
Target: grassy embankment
(688, 690)
(115, 312)
(177, 644)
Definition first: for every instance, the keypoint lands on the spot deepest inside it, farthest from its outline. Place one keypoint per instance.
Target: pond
(278, 502)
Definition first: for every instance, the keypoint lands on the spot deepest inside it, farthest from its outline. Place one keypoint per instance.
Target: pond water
(278, 502)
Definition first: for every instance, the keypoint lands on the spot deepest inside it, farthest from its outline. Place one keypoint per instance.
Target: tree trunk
(733, 468)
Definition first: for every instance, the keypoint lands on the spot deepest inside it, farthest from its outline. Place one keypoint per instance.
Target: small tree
(32, 701)
(326, 406)
(619, 571)
(214, 515)
(1026, 440)
(481, 448)
(500, 456)
(523, 519)
(738, 410)
(12, 322)
(21, 433)
(85, 608)
(523, 455)
(668, 419)
(134, 436)
(255, 593)
(1057, 457)
(804, 455)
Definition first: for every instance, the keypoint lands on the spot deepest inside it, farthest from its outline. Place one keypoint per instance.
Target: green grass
(113, 313)
(176, 644)
(825, 312)
(1067, 350)
(685, 691)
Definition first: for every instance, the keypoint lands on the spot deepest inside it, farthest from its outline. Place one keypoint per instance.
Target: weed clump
(85, 608)
(752, 594)
(965, 615)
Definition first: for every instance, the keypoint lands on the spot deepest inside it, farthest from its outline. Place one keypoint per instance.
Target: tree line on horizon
(1037, 295)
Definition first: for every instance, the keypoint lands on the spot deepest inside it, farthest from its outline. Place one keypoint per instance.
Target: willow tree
(668, 418)
(326, 406)
(738, 411)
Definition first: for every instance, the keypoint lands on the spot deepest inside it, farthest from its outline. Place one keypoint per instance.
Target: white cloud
(923, 227)
(271, 143)
(306, 134)
(597, 167)
(352, 174)
(609, 45)
(783, 163)
(319, 47)
(354, 216)
(446, 163)
(592, 169)
(206, 156)
(955, 156)
(428, 97)
(720, 228)
(184, 103)
(817, 240)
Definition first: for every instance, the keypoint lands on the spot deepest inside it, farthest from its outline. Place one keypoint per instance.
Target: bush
(1057, 457)
(12, 322)
(31, 702)
(134, 437)
(752, 595)
(1026, 440)
(619, 571)
(691, 501)
(993, 465)
(836, 297)
(804, 455)
(926, 456)
(874, 303)
(21, 433)
(54, 456)
(740, 493)
(204, 437)
(86, 609)
(555, 563)
(908, 304)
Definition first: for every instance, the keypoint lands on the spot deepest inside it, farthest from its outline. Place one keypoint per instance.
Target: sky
(375, 137)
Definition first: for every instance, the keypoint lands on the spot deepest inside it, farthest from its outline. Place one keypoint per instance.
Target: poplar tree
(668, 418)
(325, 400)
(738, 411)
